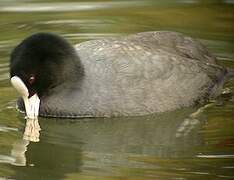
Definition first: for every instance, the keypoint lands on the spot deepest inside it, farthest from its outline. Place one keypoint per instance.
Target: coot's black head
(43, 61)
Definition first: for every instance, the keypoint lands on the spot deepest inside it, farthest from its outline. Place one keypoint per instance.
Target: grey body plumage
(135, 75)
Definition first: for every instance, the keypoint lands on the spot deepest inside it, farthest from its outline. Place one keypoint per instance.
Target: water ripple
(74, 6)
(90, 35)
(215, 156)
(77, 21)
(4, 69)
(7, 129)
(7, 159)
(6, 44)
(3, 65)
(199, 173)
(4, 76)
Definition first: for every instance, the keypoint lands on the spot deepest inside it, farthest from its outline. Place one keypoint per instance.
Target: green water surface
(172, 145)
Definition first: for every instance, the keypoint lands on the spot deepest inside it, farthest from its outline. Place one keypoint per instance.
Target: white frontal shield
(31, 104)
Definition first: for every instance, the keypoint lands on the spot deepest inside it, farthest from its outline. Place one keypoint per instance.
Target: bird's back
(139, 74)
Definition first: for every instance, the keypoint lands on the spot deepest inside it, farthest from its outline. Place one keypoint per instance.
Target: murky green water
(172, 145)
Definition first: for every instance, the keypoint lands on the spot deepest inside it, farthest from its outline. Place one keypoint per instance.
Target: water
(174, 145)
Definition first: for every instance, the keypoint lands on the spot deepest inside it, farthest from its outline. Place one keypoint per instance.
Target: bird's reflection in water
(140, 132)
(37, 158)
(176, 126)
(31, 134)
(104, 144)
(32, 130)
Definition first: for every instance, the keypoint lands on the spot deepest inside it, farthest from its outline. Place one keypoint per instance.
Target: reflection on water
(108, 143)
(184, 144)
(31, 134)
(32, 130)
(109, 146)
(18, 152)
(116, 147)
(72, 6)
(19, 147)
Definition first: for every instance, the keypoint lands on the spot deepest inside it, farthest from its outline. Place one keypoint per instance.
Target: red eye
(31, 79)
